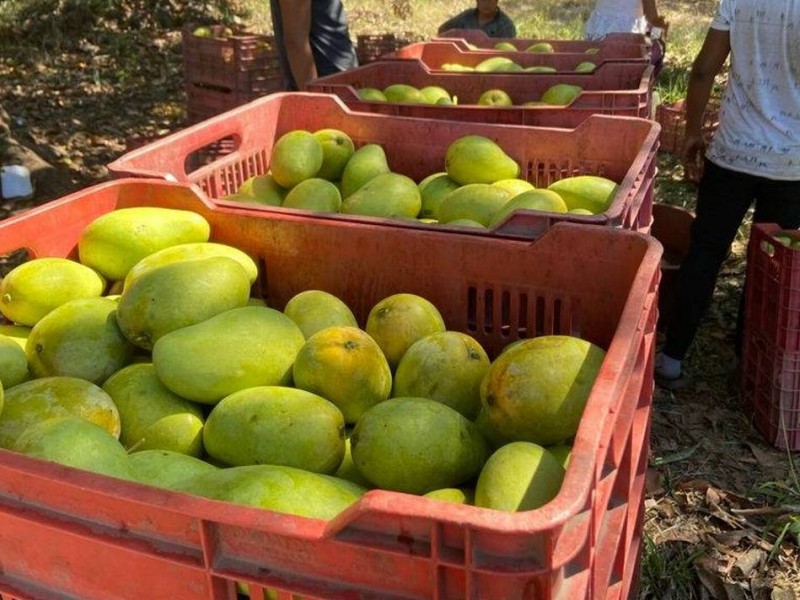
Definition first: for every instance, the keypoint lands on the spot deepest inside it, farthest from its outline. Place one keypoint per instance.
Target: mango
(296, 156)
(453, 495)
(590, 192)
(371, 94)
(403, 93)
(417, 445)
(347, 470)
(313, 310)
(432, 190)
(493, 64)
(179, 294)
(276, 425)
(191, 252)
(562, 452)
(540, 69)
(506, 46)
(345, 366)
(399, 320)
(18, 333)
(542, 200)
(517, 477)
(447, 367)
(514, 186)
(477, 202)
(32, 289)
(153, 418)
(385, 195)
(319, 195)
(541, 47)
(80, 338)
(115, 241)
(537, 390)
(495, 97)
(561, 94)
(477, 159)
(277, 488)
(337, 149)
(165, 468)
(13, 364)
(77, 443)
(259, 189)
(434, 93)
(39, 399)
(366, 162)
(585, 67)
(239, 348)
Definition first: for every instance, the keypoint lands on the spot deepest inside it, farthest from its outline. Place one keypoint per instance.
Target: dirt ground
(722, 505)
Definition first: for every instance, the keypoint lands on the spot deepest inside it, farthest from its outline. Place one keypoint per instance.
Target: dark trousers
(723, 199)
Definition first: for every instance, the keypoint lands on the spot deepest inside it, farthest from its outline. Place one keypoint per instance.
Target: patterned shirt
(759, 126)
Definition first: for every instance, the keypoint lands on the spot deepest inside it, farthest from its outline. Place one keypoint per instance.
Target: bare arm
(296, 17)
(706, 66)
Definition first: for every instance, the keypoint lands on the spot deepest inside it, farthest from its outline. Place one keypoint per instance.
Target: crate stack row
(535, 273)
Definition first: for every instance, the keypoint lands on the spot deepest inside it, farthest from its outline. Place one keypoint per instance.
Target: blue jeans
(723, 199)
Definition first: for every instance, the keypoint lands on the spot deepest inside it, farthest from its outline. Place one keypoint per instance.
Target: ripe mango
(32, 289)
(164, 468)
(39, 399)
(179, 294)
(345, 366)
(417, 445)
(239, 348)
(296, 156)
(276, 425)
(13, 364)
(80, 338)
(153, 418)
(191, 252)
(313, 310)
(477, 159)
(519, 476)
(76, 442)
(367, 162)
(277, 488)
(447, 367)
(115, 241)
(385, 195)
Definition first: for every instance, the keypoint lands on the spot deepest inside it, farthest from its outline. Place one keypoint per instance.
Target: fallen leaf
(748, 561)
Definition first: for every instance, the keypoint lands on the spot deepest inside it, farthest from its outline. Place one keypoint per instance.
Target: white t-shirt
(615, 16)
(759, 126)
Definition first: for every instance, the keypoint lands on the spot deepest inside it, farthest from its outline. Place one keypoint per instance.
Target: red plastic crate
(73, 533)
(371, 47)
(614, 88)
(434, 54)
(478, 38)
(771, 345)
(672, 118)
(620, 148)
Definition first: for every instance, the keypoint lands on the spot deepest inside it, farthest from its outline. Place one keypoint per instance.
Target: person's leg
(722, 201)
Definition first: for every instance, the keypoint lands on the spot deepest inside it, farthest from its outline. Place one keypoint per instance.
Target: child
(622, 16)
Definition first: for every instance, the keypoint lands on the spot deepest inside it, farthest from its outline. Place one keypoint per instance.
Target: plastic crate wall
(111, 538)
(771, 344)
(371, 47)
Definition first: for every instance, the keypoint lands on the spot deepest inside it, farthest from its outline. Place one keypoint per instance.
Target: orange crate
(434, 54)
(620, 148)
(478, 38)
(371, 47)
(613, 88)
(771, 344)
(73, 533)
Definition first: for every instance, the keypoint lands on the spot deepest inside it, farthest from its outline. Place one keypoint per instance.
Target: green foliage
(667, 571)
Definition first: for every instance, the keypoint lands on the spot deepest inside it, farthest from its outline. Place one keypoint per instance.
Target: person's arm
(452, 23)
(296, 21)
(651, 14)
(708, 63)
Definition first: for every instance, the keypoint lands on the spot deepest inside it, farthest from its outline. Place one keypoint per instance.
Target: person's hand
(692, 153)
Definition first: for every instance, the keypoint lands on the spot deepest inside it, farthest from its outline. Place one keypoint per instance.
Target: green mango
(313, 310)
(477, 159)
(277, 488)
(18, 333)
(519, 476)
(32, 289)
(403, 93)
(417, 445)
(153, 418)
(542, 200)
(13, 363)
(561, 94)
(115, 241)
(590, 192)
(319, 195)
(165, 468)
(432, 190)
(366, 162)
(40, 399)
(337, 149)
(191, 252)
(475, 201)
(347, 470)
(371, 95)
(80, 338)
(78, 443)
(179, 294)
(239, 348)
(453, 495)
(496, 63)
(434, 93)
(276, 425)
(259, 189)
(385, 195)
(296, 156)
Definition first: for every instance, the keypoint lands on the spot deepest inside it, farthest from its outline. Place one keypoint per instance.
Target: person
(622, 16)
(754, 155)
(313, 39)
(486, 16)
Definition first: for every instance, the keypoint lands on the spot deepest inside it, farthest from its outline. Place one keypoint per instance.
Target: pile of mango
(148, 359)
(558, 94)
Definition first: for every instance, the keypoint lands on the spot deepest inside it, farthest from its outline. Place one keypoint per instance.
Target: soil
(722, 504)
